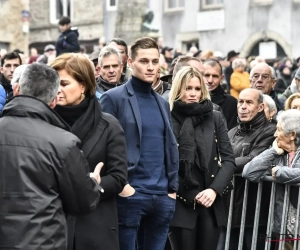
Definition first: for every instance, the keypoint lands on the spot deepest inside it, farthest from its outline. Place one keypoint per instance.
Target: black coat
(99, 229)
(228, 105)
(67, 42)
(249, 140)
(43, 174)
(218, 178)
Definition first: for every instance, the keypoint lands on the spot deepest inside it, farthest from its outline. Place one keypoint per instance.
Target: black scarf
(82, 118)
(192, 151)
(218, 95)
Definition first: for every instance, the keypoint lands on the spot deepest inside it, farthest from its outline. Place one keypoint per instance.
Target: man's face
(111, 69)
(248, 105)
(9, 67)
(122, 51)
(65, 27)
(262, 79)
(168, 54)
(297, 81)
(212, 76)
(198, 65)
(145, 65)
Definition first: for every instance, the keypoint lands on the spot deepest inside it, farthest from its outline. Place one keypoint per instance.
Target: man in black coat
(42, 171)
(253, 135)
(213, 77)
(68, 39)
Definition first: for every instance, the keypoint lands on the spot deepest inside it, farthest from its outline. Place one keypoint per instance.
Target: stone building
(14, 27)
(86, 15)
(252, 27)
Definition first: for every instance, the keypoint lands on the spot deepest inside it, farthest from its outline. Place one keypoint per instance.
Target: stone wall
(11, 25)
(87, 16)
(129, 20)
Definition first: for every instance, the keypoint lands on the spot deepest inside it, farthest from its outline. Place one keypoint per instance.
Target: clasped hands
(206, 198)
(279, 151)
(96, 174)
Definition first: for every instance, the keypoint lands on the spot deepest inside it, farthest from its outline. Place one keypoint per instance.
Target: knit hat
(297, 75)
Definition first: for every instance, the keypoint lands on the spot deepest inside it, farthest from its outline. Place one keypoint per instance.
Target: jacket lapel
(209, 136)
(94, 138)
(135, 107)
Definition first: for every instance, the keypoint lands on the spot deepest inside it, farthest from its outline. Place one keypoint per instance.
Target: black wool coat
(99, 229)
(218, 176)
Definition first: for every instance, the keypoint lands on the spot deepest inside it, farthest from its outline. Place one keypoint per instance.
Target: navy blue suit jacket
(122, 103)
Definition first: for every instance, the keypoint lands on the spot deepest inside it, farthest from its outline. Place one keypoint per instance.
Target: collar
(28, 106)
(258, 121)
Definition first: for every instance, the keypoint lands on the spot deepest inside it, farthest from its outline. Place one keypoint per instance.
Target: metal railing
(282, 237)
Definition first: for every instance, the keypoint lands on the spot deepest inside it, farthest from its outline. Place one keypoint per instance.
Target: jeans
(144, 221)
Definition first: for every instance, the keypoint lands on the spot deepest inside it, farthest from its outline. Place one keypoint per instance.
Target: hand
(274, 170)
(127, 191)
(173, 196)
(96, 173)
(279, 151)
(206, 197)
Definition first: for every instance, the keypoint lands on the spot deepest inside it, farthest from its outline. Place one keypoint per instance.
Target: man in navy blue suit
(147, 203)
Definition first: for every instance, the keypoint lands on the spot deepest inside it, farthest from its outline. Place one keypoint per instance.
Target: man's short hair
(64, 20)
(213, 63)
(10, 56)
(17, 74)
(183, 61)
(107, 51)
(143, 43)
(121, 42)
(40, 81)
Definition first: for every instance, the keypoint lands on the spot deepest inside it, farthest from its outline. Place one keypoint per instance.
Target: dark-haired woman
(102, 140)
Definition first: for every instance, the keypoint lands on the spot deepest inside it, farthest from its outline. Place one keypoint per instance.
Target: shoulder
(2, 91)
(117, 91)
(110, 120)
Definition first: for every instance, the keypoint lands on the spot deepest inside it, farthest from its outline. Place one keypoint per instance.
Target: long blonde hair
(182, 77)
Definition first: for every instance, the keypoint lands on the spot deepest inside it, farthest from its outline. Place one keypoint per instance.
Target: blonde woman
(293, 102)
(203, 144)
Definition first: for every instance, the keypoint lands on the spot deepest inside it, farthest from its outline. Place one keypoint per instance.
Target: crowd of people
(136, 147)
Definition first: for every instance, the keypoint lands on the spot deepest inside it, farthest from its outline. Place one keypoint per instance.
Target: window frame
(206, 6)
(52, 12)
(111, 8)
(262, 2)
(177, 8)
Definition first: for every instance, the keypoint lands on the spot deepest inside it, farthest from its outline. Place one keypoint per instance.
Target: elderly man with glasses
(262, 77)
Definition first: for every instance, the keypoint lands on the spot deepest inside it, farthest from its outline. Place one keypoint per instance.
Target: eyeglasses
(264, 77)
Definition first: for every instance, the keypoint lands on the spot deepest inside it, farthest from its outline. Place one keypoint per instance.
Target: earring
(82, 96)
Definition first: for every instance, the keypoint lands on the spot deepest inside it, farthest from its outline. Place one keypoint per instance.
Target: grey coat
(261, 166)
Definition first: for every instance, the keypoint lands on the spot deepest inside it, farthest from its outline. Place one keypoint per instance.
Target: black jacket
(6, 85)
(99, 229)
(218, 178)
(249, 140)
(228, 105)
(67, 42)
(279, 103)
(43, 175)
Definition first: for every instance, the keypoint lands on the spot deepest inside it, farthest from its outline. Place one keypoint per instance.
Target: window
(59, 8)
(111, 5)
(2, 2)
(262, 2)
(212, 4)
(174, 5)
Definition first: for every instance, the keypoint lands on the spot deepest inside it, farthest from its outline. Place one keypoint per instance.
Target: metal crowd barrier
(282, 238)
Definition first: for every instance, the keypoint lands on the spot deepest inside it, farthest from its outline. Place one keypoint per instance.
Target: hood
(28, 106)
(72, 29)
(294, 88)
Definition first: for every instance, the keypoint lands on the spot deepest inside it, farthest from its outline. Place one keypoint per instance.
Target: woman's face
(70, 91)
(192, 92)
(283, 141)
(295, 104)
